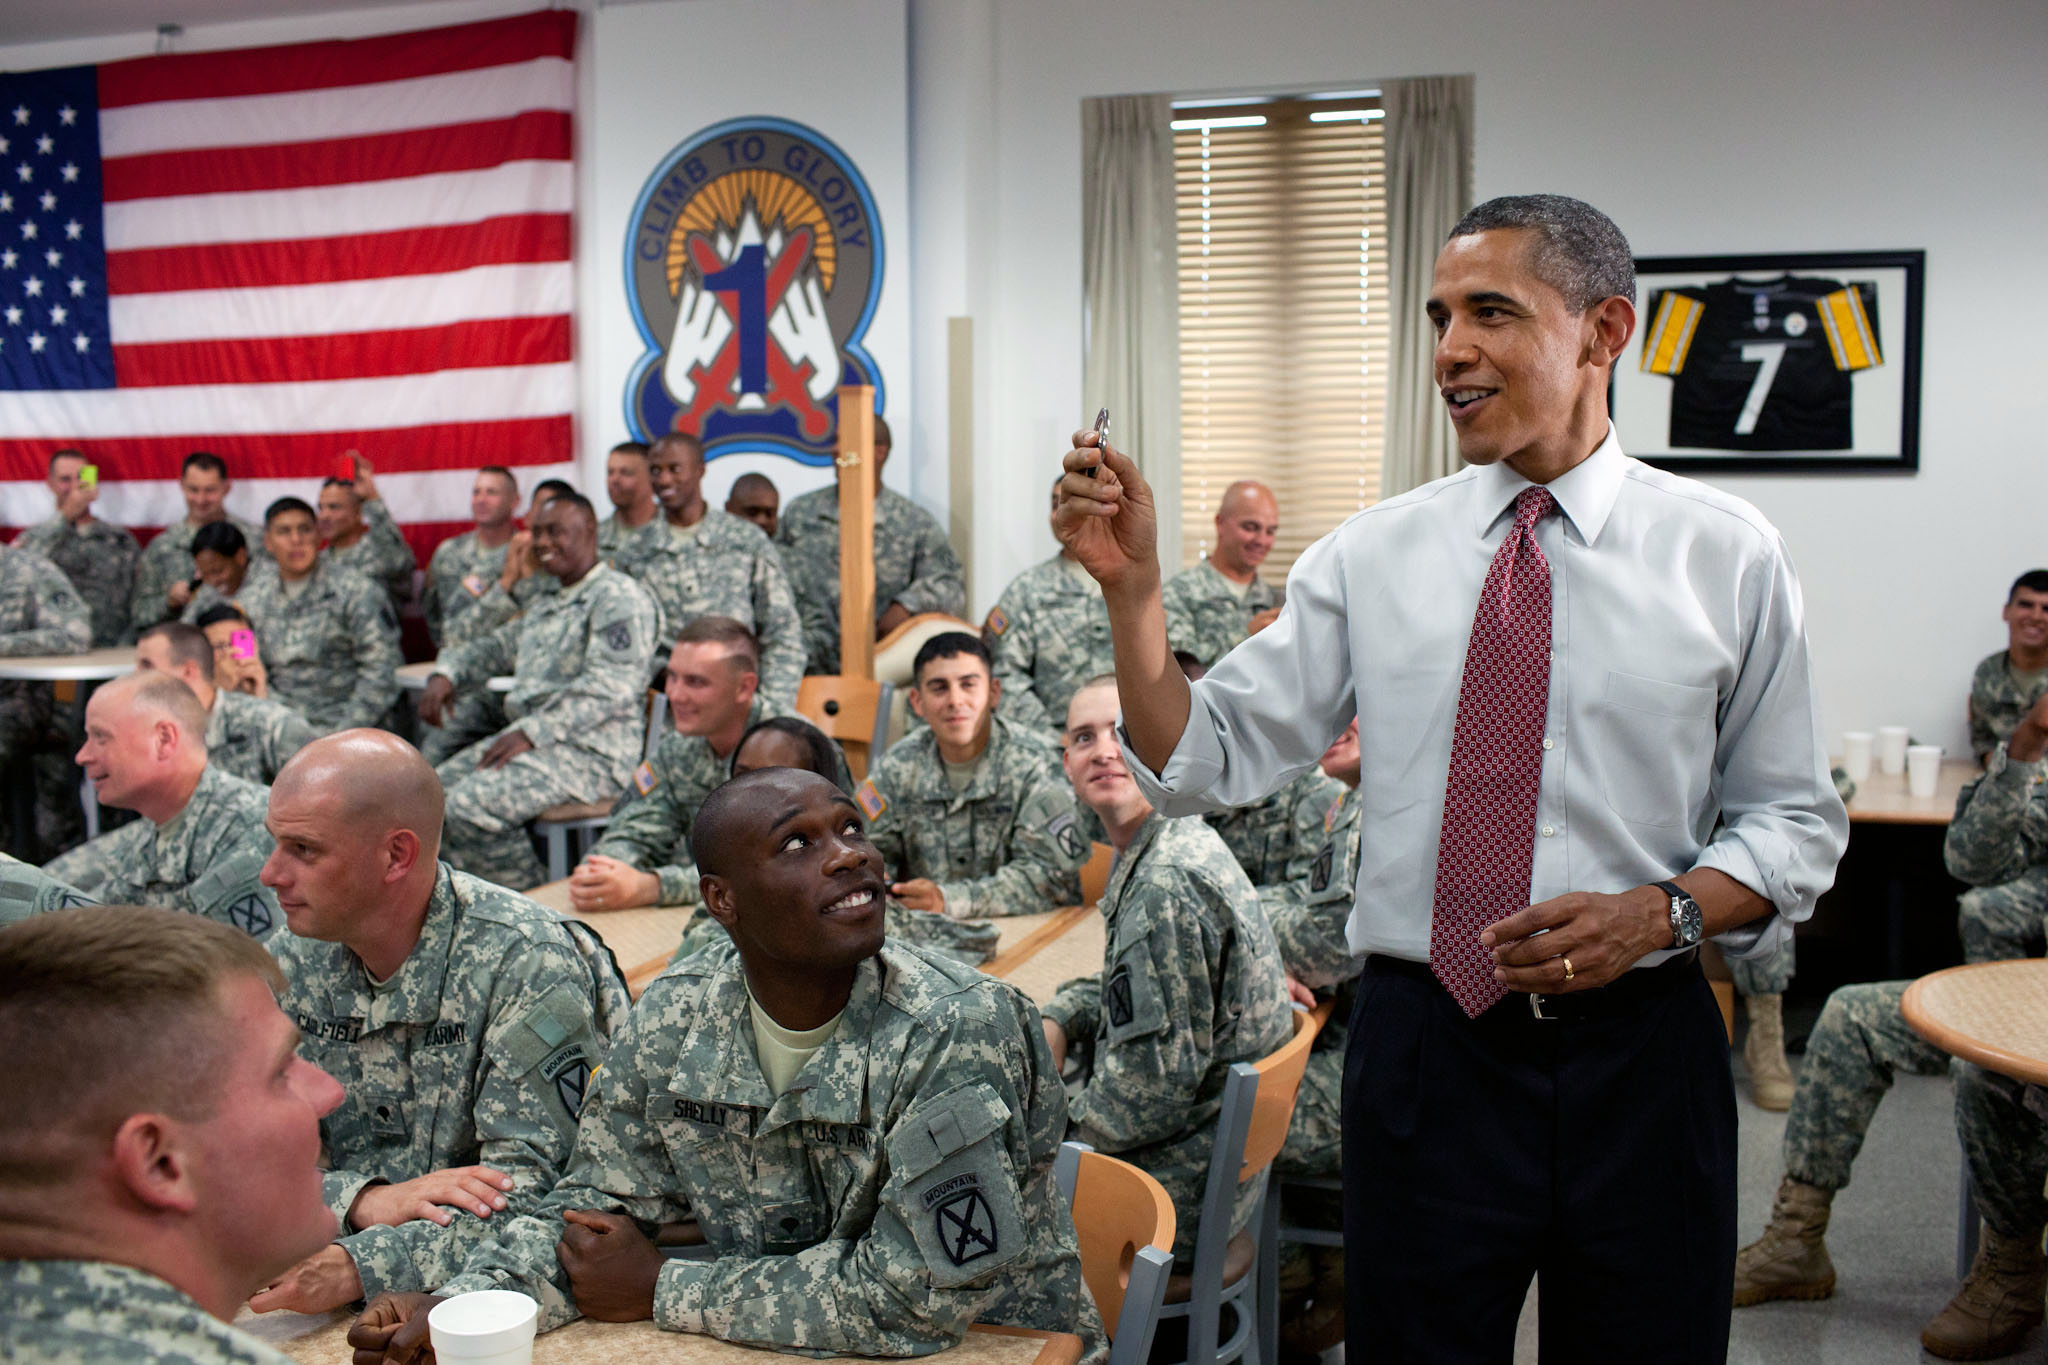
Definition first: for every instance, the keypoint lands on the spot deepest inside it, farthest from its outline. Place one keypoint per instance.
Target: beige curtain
(1429, 187)
(1131, 290)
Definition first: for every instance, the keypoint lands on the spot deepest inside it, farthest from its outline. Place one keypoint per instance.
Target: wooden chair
(896, 656)
(853, 711)
(1242, 1271)
(1125, 1225)
(1095, 874)
(583, 821)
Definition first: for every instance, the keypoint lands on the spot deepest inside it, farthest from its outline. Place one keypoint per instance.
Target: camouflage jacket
(1262, 836)
(914, 565)
(167, 559)
(252, 737)
(724, 567)
(40, 612)
(98, 1313)
(578, 658)
(26, 889)
(380, 554)
(1310, 910)
(1998, 698)
(898, 1191)
(1008, 845)
(1191, 982)
(459, 575)
(1049, 632)
(332, 650)
(2001, 822)
(476, 1052)
(99, 558)
(627, 547)
(1204, 615)
(204, 860)
(650, 827)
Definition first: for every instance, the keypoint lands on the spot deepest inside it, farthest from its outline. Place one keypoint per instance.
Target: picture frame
(1795, 363)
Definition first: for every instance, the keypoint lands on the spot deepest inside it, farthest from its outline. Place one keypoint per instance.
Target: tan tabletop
(322, 1339)
(95, 665)
(642, 940)
(1992, 1013)
(1882, 799)
(1040, 953)
(413, 677)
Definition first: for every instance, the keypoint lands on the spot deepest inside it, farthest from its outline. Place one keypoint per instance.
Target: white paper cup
(1891, 749)
(1923, 769)
(487, 1327)
(1856, 751)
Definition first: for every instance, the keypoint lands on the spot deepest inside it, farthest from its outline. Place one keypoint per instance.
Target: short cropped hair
(712, 629)
(65, 454)
(629, 448)
(223, 538)
(1579, 251)
(107, 1012)
(332, 481)
(284, 505)
(219, 612)
(169, 696)
(822, 755)
(683, 439)
(577, 501)
(754, 483)
(502, 473)
(947, 645)
(203, 459)
(883, 439)
(554, 488)
(2033, 580)
(188, 644)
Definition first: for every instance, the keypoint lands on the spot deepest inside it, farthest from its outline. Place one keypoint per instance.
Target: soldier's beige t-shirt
(783, 1051)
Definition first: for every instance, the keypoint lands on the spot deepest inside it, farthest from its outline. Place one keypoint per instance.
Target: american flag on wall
(281, 253)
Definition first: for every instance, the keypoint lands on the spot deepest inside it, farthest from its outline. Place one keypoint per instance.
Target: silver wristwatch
(1686, 921)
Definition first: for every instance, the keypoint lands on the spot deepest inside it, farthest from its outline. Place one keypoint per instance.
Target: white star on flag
(72, 229)
(21, 114)
(67, 116)
(58, 314)
(33, 287)
(14, 317)
(77, 287)
(36, 342)
(81, 341)
(70, 172)
(48, 201)
(46, 144)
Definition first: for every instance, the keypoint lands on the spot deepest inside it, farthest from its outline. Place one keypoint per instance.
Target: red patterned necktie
(1486, 850)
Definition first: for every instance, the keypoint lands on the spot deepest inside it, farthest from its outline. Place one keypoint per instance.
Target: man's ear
(995, 692)
(916, 700)
(152, 1164)
(718, 899)
(402, 852)
(1612, 322)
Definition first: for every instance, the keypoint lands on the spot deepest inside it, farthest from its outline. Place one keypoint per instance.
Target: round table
(95, 665)
(1992, 1013)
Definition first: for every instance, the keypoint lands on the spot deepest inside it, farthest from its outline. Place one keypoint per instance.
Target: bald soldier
(863, 1131)
(169, 1166)
(200, 843)
(1214, 605)
(246, 735)
(462, 1020)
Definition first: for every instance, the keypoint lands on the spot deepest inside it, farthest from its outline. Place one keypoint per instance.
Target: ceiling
(39, 21)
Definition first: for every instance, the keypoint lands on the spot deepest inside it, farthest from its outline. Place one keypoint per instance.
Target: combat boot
(1308, 1334)
(1790, 1261)
(2001, 1299)
(1763, 1052)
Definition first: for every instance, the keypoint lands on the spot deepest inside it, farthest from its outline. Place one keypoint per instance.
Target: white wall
(1744, 126)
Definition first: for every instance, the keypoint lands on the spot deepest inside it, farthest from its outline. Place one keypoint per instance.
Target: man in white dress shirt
(1618, 752)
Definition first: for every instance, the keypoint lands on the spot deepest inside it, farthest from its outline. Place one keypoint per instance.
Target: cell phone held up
(242, 644)
(1094, 471)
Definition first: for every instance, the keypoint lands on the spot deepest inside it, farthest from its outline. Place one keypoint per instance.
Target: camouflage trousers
(2006, 920)
(1315, 1139)
(1861, 1042)
(471, 714)
(40, 814)
(488, 808)
(1765, 976)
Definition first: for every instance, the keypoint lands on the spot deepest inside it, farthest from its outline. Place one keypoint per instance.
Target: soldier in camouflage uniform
(361, 535)
(220, 557)
(26, 889)
(1213, 605)
(328, 636)
(98, 557)
(459, 576)
(463, 1022)
(863, 1133)
(2005, 684)
(1261, 836)
(40, 613)
(578, 658)
(973, 816)
(149, 1041)
(636, 515)
(713, 563)
(164, 576)
(1862, 1040)
(1048, 633)
(1191, 981)
(200, 842)
(250, 737)
(915, 567)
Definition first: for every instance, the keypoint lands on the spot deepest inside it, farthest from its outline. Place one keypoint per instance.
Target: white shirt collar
(1585, 493)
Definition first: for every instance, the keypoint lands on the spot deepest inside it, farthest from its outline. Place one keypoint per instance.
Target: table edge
(1958, 1044)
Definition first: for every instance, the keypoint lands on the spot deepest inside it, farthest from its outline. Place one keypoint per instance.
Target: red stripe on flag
(346, 355)
(310, 455)
(342, 62)
(514, 239)
(536, 135)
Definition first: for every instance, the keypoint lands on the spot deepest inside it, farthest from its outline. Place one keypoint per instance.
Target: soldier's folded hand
(393, 1330)
(612, 1265)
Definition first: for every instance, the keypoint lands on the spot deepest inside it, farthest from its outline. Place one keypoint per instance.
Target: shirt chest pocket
(1655, 748)
(952, 1183)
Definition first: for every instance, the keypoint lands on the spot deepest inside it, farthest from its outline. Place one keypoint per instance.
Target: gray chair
(1124, 1223)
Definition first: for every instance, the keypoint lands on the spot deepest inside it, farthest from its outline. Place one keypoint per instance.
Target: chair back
(1279, 1082)
(1125, 1225)
(657, 720)
(848, 709)
(1095, 874)
(896, 659)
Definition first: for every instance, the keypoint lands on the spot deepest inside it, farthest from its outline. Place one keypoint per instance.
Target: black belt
(1630, 988)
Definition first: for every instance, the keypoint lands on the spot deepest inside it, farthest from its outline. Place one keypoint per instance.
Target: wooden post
(857, 531)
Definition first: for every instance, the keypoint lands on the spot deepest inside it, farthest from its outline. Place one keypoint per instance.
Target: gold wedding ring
(1568, 972)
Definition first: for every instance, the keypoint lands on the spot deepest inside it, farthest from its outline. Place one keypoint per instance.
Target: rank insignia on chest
(997, 621)
(871, 802)
(644, 779)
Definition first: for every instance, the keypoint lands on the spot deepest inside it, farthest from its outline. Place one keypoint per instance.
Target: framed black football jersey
(1774, 362)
